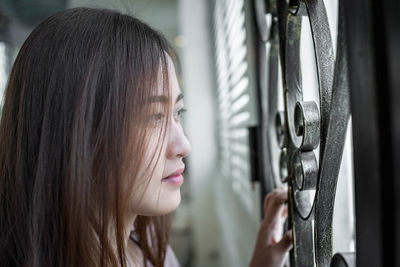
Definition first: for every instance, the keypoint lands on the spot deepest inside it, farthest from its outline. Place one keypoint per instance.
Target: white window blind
(234, 95)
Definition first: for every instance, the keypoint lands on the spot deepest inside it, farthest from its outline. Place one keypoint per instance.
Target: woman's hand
(270, 252)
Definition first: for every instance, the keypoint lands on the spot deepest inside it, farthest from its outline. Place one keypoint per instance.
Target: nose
(178, 145)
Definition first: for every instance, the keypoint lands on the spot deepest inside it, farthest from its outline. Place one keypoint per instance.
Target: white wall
(199, 122)
(224, 229)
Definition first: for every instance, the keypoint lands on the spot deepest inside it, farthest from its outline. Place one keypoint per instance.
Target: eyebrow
(157, 98)
(162, 99)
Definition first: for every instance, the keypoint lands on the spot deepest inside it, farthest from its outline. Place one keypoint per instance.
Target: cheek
(153, 162)
(158, 198)
(148, 189)
(152, 197)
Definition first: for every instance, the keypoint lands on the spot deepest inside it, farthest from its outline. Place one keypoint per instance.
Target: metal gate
(297, 135)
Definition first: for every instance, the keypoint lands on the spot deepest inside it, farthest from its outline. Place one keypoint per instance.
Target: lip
(175, 178)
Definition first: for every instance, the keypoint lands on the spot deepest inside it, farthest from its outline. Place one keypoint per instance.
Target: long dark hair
(72, 134)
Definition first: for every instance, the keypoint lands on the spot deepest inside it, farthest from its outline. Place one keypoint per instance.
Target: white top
(170, 258)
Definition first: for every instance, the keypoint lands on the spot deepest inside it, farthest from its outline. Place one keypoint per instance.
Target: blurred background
(217, 221)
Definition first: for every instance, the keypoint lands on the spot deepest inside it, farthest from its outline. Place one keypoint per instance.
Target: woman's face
(162, 189)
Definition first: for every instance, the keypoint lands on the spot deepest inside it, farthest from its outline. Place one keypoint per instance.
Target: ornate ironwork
(294, 133)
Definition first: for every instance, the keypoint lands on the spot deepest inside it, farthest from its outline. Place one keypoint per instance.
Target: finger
(285, 244)
(278, 195)
(273, 205)
(272, 224)
(278, 225)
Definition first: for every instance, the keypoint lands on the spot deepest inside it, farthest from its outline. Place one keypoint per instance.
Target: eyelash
(177, 115)
(180, 113)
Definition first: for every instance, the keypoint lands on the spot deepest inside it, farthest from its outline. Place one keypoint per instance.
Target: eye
(179, 114)
(156, 119)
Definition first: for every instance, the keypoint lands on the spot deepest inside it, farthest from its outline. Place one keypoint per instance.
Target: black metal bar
(367, 134)
(391, 11)
(255, 156)
(379, 43)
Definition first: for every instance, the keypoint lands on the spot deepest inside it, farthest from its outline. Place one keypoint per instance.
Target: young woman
(91, 148)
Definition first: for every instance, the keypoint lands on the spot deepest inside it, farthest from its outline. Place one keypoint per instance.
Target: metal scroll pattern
(303, 126)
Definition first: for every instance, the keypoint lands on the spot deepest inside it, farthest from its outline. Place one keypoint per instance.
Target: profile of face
(161, 193)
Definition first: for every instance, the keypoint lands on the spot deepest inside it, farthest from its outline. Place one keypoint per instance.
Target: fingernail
(283, 188)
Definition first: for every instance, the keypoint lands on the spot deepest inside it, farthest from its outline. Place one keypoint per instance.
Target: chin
(168, 202)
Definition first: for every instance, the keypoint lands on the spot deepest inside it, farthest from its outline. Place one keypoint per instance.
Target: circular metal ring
(294, 6)
(305, 170)
(304, 203)
(347, 259)
(306, 124)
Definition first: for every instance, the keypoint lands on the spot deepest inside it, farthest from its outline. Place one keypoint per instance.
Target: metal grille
(307, 132)
(305, 135)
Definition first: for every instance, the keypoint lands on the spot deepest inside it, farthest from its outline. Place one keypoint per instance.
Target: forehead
(173, 84)
(173, 80)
